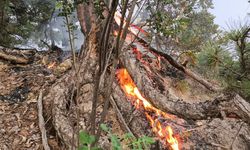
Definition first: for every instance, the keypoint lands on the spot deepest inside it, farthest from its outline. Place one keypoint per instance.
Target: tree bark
(219, 110)
(60, 102)
(181, 67)
(172, 104)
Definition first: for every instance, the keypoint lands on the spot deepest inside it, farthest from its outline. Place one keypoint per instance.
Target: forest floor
(19, 89)
(19, 86)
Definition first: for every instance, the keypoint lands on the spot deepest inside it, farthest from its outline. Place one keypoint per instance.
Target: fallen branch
(176, 64)
(42, 123)
(181, 67)
(12, 58)
(219, 145)
(172, 104)
(17, 55)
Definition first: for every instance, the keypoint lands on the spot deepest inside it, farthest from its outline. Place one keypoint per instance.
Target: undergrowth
(131, 142)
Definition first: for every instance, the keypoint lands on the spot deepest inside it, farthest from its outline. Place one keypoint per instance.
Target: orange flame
(115, 33)
(51, 65)
(129, 87)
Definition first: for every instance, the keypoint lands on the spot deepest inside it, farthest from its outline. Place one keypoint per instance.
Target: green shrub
(86, 140)
(141, 143)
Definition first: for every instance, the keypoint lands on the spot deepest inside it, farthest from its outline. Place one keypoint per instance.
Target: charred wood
(180, 67)
(170, 103)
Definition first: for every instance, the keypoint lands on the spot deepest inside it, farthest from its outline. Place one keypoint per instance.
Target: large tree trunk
(194, 122)
(200, 125)
(221, 122)
(61, 102)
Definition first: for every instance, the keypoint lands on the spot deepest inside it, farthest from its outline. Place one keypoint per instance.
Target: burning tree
(115, 52)
(118, 66)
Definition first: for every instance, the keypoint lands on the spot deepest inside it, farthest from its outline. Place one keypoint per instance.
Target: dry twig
(231, 146)
(219, 145)
(41, 122)
(119, 115)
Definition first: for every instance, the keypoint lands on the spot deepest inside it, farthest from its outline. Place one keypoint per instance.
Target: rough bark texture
(181, 67)
(60, 100)
(83, 16)
(224, 112)
(206, 122)
(167, 101)
(211, 134)
(221, 122)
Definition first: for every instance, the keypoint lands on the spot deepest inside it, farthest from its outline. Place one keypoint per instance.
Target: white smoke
(55, 30)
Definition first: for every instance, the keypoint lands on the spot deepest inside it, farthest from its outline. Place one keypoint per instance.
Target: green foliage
(86, 140)
(217, 62)
(240, 38)
(210, 55)
(240, 86)
(141, 143)
(171, 17)
(132, 142)
(245, 84)
(144, 142)
(99, 8)
(213, 58)
(21, 18)
(190, 56)
(59, 5)
(182, 25)
(240, 80)
(115, 142)
(167, 25)
(66, 7)
(200, 29)
(238, 32)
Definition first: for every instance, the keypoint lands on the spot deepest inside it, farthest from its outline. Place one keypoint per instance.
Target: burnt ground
(19, 87)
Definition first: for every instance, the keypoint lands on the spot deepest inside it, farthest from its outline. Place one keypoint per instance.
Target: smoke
(55, 30)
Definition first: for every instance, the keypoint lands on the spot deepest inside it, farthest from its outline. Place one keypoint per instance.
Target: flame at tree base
(163, 133)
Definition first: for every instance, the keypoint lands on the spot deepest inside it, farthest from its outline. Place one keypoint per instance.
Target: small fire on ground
(164, 133)
(51, 65)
